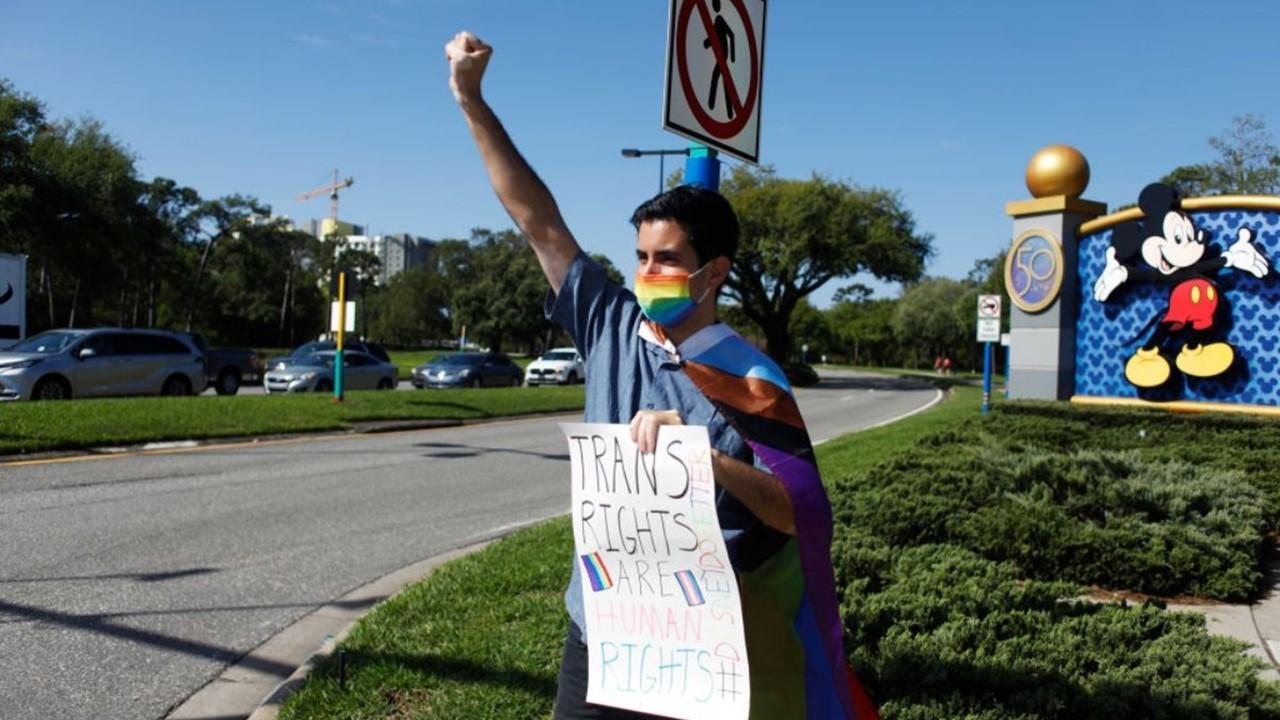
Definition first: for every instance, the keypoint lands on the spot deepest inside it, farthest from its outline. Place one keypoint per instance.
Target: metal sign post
(342, 327)
(988, 333)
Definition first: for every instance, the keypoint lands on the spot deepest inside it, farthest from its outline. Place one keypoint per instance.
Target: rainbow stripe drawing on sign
(597, 573)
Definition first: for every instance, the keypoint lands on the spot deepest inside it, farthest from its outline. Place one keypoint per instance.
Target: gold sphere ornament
(1057, 170)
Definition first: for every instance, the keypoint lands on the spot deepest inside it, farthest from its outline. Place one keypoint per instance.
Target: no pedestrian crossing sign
(715, 68)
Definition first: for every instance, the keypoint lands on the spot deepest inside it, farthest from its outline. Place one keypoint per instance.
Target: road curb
(363, 427)
(245, 690)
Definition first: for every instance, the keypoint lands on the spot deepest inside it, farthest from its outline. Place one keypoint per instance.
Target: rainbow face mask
(665, 298)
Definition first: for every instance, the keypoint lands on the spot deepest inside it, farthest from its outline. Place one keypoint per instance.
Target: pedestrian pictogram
(715, 66)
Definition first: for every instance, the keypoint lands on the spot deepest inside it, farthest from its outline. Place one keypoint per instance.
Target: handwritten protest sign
(664, 620)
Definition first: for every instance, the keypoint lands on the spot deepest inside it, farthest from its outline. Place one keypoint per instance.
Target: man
(658, 357)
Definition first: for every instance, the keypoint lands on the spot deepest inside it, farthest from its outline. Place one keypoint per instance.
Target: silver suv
(61, 364)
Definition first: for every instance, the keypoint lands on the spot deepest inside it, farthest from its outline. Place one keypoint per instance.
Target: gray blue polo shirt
(628, 372)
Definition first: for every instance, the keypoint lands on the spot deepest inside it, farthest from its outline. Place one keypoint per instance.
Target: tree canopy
(797, 235)
(1247, 163)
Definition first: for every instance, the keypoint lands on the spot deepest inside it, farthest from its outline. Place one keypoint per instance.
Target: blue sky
(943, 101)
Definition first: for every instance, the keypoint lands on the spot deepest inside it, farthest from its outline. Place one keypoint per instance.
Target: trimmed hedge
(1109, 518)
(959, 563)
(938, 632)
(1250, 445)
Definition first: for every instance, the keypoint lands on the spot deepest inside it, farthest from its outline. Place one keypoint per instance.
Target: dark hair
(705, 215)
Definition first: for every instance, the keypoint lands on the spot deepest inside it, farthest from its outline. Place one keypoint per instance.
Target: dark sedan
(468, 370)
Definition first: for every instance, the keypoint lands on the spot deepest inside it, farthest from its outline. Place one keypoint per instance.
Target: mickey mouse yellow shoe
(1206, 360)
(1147, 368)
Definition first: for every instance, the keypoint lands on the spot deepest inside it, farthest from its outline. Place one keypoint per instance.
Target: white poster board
(13, 299)
(664, 619)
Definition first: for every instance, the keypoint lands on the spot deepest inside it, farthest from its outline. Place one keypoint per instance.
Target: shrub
(937, 631)
(1096, 517)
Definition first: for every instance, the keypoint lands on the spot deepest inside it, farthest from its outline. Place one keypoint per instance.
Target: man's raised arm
(521, 191)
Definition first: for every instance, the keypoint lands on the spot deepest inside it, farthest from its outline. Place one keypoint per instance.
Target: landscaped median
(34, 427)
(963, 547)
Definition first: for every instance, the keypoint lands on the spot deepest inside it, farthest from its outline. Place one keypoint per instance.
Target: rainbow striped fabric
(597, 573)
(665, 298)
(789, 603)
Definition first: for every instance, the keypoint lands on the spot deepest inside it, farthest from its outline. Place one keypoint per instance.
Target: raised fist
(468, 56)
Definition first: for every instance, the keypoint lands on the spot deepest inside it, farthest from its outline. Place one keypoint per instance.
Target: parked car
(315, 372)
(468, 370)
(315, 346)
(62, 364)
(560, 366)
(227, 368)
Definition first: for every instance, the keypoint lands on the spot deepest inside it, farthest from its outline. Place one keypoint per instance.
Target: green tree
(500, 299)
(1247, 163)
(21, 118)
(930, 320)
(799, 234)
(862, 330)
(412, 309)
(808, 327)
(89, 189)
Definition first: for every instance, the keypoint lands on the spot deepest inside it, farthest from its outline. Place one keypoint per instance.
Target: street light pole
(662, 158)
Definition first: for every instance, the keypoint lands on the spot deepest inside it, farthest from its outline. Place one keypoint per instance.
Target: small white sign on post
(13, 299)
(988, 329)
(351, 316)
(664, 619)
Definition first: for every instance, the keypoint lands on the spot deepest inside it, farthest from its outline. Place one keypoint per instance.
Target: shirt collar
(693, 345)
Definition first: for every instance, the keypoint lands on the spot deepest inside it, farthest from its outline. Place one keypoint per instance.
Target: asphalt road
(126, 583)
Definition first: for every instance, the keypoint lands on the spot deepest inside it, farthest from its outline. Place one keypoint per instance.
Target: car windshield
(563, 355)
(46, 343)
(308, 348)
(457, 360)
(315, 360)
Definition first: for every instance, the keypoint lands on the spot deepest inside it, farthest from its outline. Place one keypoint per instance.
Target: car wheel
(572, 379)
(517, 381)
(228, 383)
(51, 388)
(176, 386)
(324, 386)
(386, 384)
(475, 382)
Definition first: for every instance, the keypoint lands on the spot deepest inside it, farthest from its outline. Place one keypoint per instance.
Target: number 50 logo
(1033, 270)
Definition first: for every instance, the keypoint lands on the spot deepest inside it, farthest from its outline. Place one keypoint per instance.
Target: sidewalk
(1257, 624)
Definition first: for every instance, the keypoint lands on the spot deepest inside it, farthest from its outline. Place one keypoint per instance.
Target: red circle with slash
(717, 128)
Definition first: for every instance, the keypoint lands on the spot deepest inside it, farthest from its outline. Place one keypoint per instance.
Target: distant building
(397, 253)
(321, 229)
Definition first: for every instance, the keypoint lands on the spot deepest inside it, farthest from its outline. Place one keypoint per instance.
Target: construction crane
(332, 189)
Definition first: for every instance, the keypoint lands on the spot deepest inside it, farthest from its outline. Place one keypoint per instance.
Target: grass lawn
(32, 427)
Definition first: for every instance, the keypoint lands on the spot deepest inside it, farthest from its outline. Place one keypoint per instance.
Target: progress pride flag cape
(789, 602)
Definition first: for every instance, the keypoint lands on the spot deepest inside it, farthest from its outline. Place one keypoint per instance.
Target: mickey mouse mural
(1166, 248)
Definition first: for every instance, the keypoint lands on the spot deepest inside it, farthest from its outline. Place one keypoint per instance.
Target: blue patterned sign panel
(1110, 335)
